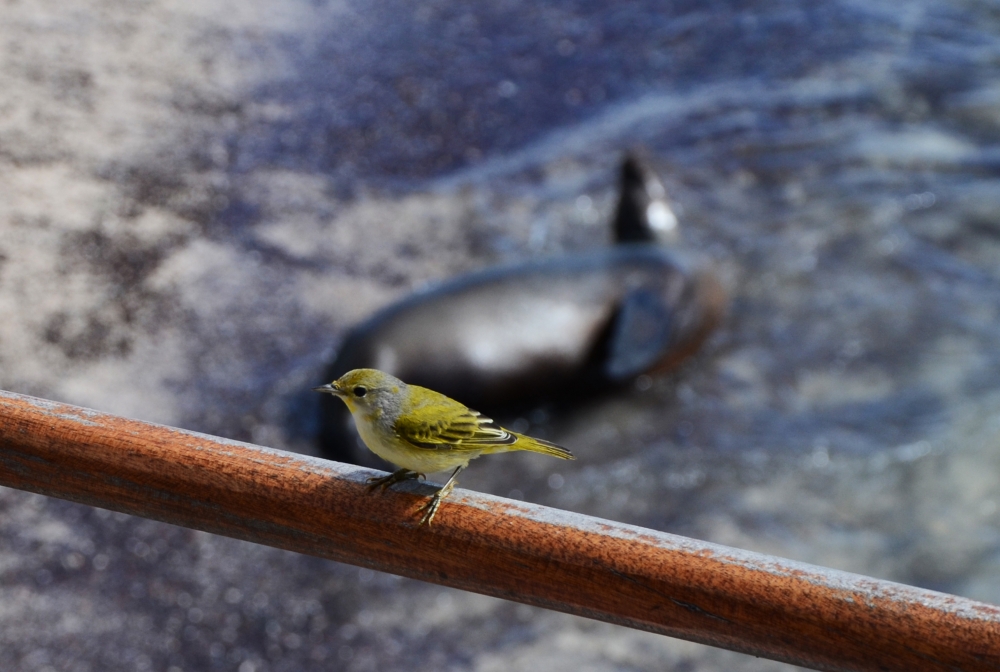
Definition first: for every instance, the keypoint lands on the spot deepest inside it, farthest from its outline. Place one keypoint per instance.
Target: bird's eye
(360, 391)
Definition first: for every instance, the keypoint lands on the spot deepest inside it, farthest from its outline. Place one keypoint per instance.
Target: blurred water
(198, 201)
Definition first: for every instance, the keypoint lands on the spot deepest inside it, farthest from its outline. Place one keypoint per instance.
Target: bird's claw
(383, 482)
(430, 508)
(380, 482)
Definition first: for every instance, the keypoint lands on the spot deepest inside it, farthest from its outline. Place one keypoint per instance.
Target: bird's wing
(454, 427)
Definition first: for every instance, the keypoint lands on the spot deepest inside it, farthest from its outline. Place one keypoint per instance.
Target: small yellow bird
(423, 431)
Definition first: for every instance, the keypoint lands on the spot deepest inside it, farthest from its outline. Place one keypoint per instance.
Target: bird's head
(366, 389)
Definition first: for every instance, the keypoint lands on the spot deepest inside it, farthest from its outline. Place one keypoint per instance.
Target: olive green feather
(456, 427)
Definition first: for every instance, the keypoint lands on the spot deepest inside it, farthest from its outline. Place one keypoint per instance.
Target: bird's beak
(328, 389)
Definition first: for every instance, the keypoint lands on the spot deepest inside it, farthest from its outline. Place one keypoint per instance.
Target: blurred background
(198, 199)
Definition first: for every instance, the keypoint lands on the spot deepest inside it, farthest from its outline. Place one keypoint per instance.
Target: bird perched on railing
(423, 431)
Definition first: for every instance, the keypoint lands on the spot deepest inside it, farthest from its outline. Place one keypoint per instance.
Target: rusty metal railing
(757, 604)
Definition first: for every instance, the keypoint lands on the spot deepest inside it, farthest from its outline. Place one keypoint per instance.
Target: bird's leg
(397, 476)
(431, 506)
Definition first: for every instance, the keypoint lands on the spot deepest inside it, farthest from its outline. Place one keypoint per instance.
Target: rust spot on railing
(663, 583)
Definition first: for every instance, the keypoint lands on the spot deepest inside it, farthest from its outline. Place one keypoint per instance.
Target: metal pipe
(757, 604)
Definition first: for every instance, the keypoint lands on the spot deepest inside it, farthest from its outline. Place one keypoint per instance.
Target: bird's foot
(398, 476)
(430, 508)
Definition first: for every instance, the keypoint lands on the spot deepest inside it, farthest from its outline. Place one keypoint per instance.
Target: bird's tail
(540, 446)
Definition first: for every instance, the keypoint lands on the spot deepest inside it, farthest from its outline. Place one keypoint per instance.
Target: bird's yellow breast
(381, 439)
